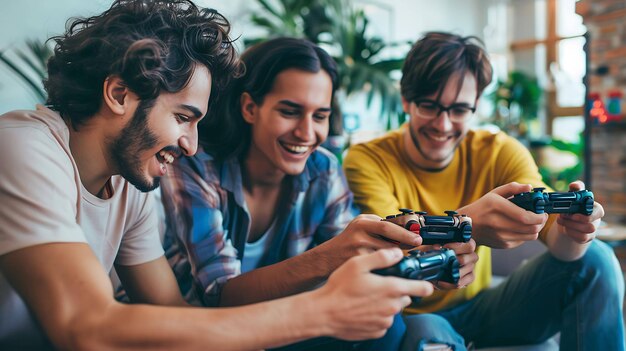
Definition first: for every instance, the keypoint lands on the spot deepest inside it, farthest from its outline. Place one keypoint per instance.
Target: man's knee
(423, 329)
(600, 264)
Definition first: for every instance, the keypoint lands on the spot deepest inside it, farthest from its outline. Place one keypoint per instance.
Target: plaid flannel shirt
(207, 221)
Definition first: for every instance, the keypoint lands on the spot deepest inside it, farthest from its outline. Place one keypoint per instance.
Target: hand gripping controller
(539, 201)
(435, 229)
(436, 265)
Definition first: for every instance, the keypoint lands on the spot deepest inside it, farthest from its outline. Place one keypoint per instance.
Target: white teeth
(297, 148)
(438, 138)
(169, 158)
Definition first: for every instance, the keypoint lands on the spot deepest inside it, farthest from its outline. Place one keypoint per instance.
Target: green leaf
(269, 8)
(35, 86)
(344, 28)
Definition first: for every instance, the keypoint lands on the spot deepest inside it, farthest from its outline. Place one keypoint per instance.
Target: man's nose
(189, 141)
(305, 130)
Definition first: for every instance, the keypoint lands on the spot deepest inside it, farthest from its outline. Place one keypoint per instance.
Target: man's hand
(361, 305)
(364, 234)
(569, 238)
(580, 228)
(499, 223)
(467, 257)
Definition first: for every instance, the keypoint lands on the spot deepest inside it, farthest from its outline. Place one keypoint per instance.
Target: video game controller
(539, 201)
(437, 265)
(435, 229)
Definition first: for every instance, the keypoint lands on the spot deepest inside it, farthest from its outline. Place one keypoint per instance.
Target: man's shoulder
(38, 138)
(384, 145)
(43, 121)
(42, 117)
(487, 140)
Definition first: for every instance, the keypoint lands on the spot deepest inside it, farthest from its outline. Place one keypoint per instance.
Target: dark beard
(127, 147)
(416, 143)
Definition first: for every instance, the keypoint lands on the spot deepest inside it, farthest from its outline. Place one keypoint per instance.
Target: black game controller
(539, 201)
(436, 265)
(435, 229)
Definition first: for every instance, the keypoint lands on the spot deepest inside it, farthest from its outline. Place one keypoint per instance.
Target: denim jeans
(582, 300)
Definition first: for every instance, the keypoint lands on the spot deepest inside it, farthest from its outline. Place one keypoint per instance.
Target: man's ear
(115, 95)
(406, 106)
(248, 108)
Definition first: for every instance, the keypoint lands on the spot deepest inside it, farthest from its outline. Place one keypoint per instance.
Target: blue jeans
(582, 299)
(395, 339)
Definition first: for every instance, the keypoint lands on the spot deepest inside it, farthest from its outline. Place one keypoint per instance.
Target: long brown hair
(226, 133)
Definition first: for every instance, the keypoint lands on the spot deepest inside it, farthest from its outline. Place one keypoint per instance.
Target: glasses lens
(456, 113)
(427, 110)
(460, 113)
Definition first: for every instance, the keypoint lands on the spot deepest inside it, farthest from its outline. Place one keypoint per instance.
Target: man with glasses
(436, 163)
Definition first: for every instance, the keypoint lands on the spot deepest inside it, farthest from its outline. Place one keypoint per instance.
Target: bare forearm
(563, 247)
(294, 275)
(144, 327)
(81, 314)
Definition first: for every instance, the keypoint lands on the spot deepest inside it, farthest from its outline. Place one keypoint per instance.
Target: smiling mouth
(295, 149)
(438, 137)
(165, 157)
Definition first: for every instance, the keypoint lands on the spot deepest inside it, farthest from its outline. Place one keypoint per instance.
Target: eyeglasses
(429, 109)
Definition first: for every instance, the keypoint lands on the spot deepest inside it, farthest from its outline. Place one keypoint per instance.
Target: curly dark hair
(226, 133)
(437, 57)
(152, 45)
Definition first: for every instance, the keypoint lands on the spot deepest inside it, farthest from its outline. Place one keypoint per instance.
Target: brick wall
(606, 22)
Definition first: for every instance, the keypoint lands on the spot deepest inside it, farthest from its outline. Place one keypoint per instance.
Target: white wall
(33, 19)
(398, 20)
(413, 17)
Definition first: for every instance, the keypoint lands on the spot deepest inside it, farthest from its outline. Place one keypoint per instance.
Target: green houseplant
(517, 100)
(559, 179)
(29, 65)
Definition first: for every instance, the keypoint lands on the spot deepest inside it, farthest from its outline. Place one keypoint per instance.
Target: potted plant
(516, 103)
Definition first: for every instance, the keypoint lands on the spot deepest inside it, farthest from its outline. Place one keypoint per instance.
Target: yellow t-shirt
(383, 179)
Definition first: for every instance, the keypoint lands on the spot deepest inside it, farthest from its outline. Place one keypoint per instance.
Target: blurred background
(558, 87)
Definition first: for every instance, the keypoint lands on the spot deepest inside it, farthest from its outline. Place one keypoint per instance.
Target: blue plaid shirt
(208, 221)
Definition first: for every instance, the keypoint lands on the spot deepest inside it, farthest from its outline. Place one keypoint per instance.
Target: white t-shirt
(42, 200)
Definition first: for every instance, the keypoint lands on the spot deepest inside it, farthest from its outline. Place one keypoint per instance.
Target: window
(547, 42)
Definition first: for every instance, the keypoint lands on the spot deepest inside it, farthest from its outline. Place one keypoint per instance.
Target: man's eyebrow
(462, 104)
(296, 105)
(290, 103)
(194, 110)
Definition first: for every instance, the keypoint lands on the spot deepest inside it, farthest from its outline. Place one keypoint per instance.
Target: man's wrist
(314, 314)
(323, 260)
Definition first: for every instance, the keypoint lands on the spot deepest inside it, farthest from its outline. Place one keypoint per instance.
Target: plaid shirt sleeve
(196, 243)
